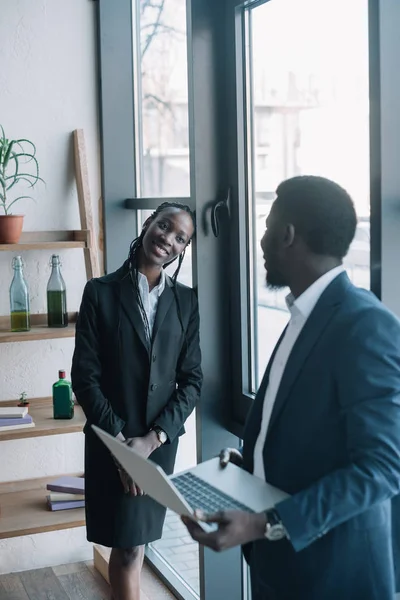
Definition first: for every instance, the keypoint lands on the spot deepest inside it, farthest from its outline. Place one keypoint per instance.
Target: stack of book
(66, 493)
(15, 417)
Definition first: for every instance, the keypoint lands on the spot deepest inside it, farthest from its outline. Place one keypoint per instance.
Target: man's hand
(144, 446)
(235, 527)
(232, 455)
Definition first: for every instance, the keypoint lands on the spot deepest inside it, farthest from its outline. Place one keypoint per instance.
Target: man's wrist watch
(161, 435)
(274, 529)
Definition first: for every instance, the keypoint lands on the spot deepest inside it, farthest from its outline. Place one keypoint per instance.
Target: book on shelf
(67, 484)
(65, 505)
(65, 497)
(15, 421)
(12, 427)
(13, 412)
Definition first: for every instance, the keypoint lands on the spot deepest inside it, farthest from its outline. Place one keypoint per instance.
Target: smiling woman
(166, 234)
(136, 373)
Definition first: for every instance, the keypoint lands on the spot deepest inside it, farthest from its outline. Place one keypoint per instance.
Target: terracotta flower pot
(10, 228)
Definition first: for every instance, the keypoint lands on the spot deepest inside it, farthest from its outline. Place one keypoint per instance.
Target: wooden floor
(79, 581)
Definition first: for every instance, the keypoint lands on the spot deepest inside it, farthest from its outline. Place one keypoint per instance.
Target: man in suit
(325, 424)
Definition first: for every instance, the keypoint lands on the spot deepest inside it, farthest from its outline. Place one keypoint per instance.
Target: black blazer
(122, 382)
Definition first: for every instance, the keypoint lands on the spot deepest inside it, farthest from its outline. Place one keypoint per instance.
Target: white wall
(48, 88)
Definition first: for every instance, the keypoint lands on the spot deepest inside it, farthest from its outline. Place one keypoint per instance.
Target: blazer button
(154, 358)
(153, 387)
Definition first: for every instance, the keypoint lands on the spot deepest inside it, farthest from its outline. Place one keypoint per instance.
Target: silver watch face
(162, 436)
(275, 532)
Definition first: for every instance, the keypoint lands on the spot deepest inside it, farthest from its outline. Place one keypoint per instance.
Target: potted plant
(23, 401)
(18, 165)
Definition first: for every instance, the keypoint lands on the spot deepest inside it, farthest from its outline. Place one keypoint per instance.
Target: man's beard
(275, 280)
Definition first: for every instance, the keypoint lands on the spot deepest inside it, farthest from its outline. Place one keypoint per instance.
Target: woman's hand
(144, 446)
(129, 486)
(232, 455)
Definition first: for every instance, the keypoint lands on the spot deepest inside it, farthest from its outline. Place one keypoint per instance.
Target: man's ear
(289, 235)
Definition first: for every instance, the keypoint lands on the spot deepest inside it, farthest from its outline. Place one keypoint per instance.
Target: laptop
(207, 487)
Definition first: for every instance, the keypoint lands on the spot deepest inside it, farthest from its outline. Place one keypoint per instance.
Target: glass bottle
(63, 404)
(19, 298)
(57, 315)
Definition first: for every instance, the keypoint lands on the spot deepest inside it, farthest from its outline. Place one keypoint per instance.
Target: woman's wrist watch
(274, 529)
(160, 433)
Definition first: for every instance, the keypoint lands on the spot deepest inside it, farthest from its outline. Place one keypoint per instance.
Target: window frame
(384, 84)
(207, 134)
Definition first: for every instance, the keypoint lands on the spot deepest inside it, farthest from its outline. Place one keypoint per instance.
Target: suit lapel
(323, 312)
(131, 308)
(164, 304)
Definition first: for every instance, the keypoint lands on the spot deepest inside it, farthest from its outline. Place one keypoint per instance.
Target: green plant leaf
(20, 142)
(17, 180)
(7, 155)
(14, 157)
(32, 158)
(13, 154)
(16, 200)
(26, 176)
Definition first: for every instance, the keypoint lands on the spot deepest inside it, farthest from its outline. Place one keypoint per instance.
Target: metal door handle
(220, 204)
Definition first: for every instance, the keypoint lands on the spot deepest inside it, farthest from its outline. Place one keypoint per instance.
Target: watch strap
(274, 528)
(273, 517)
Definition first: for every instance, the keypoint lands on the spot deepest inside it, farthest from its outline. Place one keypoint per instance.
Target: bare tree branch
(163, 28)
(155, 26)
(158, 100)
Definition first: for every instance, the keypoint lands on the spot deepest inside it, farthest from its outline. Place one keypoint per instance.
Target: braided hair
(133, 264)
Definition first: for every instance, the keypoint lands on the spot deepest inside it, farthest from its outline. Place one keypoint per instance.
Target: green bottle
(57, 315)
(63, 404)
(19, 298)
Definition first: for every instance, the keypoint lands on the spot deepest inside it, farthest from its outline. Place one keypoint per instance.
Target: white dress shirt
(150, 304)
(150, 299)
(300, 309)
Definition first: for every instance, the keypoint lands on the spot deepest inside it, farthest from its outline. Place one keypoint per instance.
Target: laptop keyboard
(199, 494)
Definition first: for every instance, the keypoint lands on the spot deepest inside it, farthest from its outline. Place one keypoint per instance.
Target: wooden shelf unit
(39, 330)
(24, 510)
(49, 240)
(41, 411)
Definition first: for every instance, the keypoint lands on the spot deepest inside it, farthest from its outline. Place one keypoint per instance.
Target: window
(162, 171)
(307, 113)
(162, 135)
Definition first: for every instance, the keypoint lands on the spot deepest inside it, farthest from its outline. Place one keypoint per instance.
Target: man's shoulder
(362, 307)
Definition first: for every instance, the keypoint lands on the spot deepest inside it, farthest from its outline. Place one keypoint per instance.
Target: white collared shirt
(300, 310)
(150, 299)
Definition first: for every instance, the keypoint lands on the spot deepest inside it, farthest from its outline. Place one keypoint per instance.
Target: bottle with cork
(57, 315)
(19, 298)
(63, 403)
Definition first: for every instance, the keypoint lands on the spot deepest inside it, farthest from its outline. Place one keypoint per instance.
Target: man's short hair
(321, 211)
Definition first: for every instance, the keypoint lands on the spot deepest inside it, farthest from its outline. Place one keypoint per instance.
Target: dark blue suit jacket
(333, 443)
